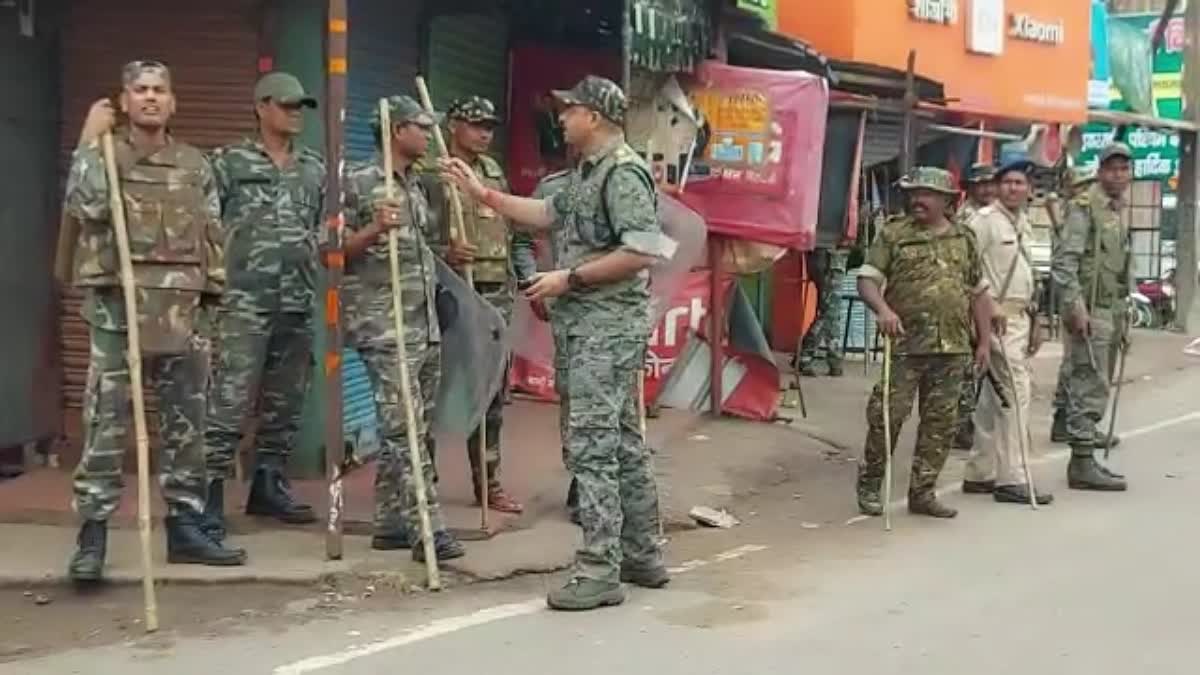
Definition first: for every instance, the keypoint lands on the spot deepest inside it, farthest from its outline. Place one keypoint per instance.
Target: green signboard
(1155, 153)
(764, 8)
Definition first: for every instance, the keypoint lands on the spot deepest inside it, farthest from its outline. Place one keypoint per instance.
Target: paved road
(1096, 585)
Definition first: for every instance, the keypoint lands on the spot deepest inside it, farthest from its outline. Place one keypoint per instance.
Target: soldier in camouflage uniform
(272, 192)
(371, 327)
(824, 338)
(981, 186)
(606, 237)
(1091, 267)
(1077, 181)
(175, 242)
(934, 287)
(472, 124)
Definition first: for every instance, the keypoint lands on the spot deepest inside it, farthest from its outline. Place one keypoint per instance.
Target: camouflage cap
(1115, 149)
(134, 69)
(929, 178)
(599, 94)
(405, 110)
(283, 88)
(979, 173)
(473, 109)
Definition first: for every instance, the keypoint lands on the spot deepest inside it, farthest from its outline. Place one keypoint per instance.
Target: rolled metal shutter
(212, 50)
(384, 56)
(468, 56)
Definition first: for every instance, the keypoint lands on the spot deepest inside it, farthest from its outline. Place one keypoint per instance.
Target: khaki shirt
(1003, 238)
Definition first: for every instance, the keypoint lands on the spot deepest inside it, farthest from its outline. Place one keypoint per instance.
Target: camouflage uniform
(173, 218)
(271, 215)
(493, 270)
(1081, 178)
(968, 395)
(371, 330)
(1092, 270)
(824, 338)
(930, 282)
(607, 204)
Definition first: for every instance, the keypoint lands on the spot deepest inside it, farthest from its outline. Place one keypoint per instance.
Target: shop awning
(760, 48)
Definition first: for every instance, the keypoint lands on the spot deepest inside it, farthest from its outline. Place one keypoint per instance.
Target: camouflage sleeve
(524, 258)
(1064, 267)
(878, 262)
(973, 275)
(214, 234)
(220, 170)
(356, 209)
(634, 214)
(437, 234)
(87, 186)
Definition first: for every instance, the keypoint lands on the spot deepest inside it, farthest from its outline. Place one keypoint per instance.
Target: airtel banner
(534, 374)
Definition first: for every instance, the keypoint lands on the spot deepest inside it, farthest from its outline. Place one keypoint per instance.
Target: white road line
(1056, 456)
(482, 617)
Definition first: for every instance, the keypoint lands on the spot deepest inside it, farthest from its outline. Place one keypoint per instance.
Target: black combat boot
(1085, 473)
(1058, 431)
(646, 577)
(269, 496)
(392, 540)
(573, 503)
(188, 545)
(445, 547)
(87, 563)
(213, 523)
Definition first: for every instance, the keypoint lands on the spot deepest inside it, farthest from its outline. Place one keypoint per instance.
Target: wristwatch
(574, 281)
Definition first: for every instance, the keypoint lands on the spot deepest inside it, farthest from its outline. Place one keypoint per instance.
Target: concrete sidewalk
(699, 462)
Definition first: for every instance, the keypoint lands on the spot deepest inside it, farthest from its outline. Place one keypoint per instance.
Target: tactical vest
(168, 223)
(487, 229)
(1103, 268)
(587, 222)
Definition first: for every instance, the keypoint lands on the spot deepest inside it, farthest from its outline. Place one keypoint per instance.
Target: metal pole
(335, 265)
(910, 107)
(1188, 314)
(888, 479)
(716, 316)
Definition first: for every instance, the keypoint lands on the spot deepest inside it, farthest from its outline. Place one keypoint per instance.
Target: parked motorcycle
(1153, 304)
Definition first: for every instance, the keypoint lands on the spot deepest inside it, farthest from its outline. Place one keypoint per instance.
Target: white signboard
(985, 27)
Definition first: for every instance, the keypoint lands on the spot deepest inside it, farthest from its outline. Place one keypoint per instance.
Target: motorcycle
(1153, 304)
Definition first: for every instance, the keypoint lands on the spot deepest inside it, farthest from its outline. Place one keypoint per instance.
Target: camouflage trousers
(1064, 373)
(265, 359)
(395, 491)
(607, 456)
(968, 401)
(500, 296)
(934, 381)
(824, 338)
(1087, 385)
(178, 380)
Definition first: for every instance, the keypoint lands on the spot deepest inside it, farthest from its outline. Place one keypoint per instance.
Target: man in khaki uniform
(980, 186)
(472, 123)
(1002, 233)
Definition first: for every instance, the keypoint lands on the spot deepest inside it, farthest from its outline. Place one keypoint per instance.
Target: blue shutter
(384, 56)
(468, 56)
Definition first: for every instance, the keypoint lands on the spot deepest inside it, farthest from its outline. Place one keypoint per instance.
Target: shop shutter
(468, 56)
(384, 57)
(212, 49)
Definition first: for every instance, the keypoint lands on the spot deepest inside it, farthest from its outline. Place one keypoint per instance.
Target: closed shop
(467, 55)
(29, 402)
(212, 49)
(384, 61)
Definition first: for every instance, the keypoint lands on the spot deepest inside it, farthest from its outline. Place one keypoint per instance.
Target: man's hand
(999, 324)
(889, 323)
(540, 310)
(100, 119)
(548, 285)
(1078, 322)
(983, 358)
(388, 214)
(462, 175)
(461, 254)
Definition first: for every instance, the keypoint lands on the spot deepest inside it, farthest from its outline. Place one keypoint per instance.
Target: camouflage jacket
(524, 254)
(1093, 257)
(172, 215)
(608, 203)
(367, 285)
(271, 217)
(485, 228)
(930, 281)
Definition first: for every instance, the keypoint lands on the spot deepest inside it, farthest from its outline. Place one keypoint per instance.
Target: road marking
(482, 617)
(1055, 456)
